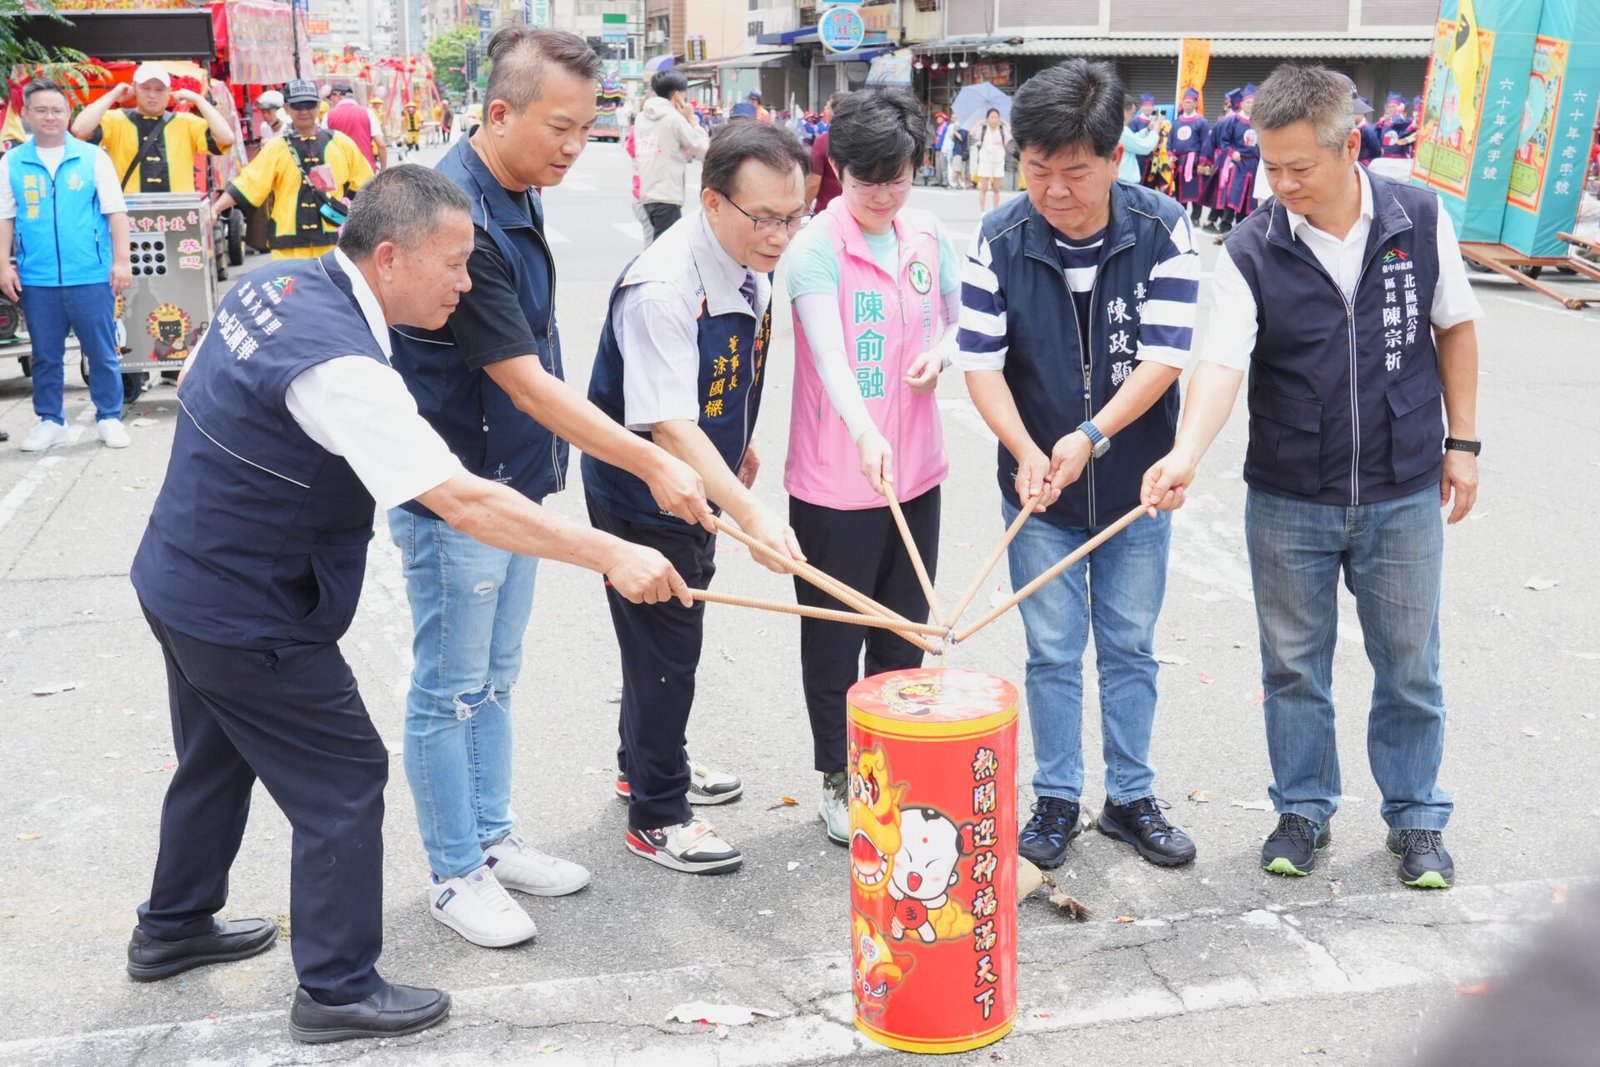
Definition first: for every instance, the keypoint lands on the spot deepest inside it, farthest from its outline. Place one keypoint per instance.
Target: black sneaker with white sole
(1292, 848)
(692, 846)
(1424, 863)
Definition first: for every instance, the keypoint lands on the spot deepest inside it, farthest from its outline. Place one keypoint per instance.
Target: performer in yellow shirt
(152, 149)
(310, 172)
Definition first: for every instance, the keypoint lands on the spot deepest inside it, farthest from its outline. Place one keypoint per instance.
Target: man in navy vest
(682, 362)
(291, 424)
(62, 199)
(491, 384)
(1083, 394)
(1348, 305)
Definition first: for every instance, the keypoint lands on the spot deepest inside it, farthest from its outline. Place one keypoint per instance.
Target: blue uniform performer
(1189, 142)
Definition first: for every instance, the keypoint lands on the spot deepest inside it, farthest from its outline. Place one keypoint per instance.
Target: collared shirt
(1231, 335)
(360, 409)
(656, 324)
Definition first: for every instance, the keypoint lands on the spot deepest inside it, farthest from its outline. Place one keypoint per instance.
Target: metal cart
(163, 313)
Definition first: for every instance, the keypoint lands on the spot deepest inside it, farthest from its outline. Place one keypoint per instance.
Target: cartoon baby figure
(931, 847)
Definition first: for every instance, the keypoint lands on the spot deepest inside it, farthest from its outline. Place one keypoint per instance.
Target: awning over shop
(1269, 47)
(751, 59)
(808, 35)
(982, 42)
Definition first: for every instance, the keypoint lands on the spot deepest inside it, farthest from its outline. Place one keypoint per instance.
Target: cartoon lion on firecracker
(174, 334)
(877, 970)
(875, 817)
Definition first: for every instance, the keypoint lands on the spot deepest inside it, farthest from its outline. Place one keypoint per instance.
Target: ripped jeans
(469, 608)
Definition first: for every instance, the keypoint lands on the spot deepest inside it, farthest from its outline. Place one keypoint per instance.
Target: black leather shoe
(1142, 825)
(393, 1011)
(150, 959)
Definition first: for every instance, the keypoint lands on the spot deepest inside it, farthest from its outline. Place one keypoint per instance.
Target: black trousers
(660, 646)
(292, 718)
(662, 216)
(863, 550)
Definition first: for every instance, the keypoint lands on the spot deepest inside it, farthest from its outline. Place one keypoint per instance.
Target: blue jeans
(469, 608)
(1117, 591)
(1391, 555)
(90, 310)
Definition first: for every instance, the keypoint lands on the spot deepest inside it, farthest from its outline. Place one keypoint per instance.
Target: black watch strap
(1456, 444)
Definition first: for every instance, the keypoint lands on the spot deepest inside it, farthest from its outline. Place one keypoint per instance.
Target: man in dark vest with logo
(1348, 306)
(682, 361)
(491, 384)
(1077, 314)
(291, 424)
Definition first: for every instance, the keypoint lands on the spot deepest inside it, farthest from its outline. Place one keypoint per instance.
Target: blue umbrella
(659, 63)
(973, 102)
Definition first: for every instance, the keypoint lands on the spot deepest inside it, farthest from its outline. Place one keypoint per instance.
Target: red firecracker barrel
(933, 858)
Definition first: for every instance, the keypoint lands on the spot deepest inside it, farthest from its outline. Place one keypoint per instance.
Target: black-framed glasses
(770, 223)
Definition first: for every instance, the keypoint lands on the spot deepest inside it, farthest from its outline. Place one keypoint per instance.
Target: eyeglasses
(770, 224)
(899, 186)
(303, 106)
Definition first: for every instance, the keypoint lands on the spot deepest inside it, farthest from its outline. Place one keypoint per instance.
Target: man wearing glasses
(681, 361)
(61, 200)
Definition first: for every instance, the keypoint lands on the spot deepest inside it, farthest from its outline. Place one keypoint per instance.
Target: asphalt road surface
(1215, 963)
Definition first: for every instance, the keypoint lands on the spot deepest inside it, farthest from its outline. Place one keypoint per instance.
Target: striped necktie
(748, 291)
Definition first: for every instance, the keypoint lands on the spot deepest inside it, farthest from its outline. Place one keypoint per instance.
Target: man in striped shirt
(1057, 380)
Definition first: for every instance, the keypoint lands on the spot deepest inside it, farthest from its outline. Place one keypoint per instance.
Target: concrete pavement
(1219, 965)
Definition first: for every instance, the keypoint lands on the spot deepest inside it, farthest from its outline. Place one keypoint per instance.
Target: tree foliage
(449, 54)
(22, 58)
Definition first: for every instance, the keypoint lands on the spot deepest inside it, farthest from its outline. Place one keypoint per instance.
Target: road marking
(12, 502)
(632, 229)
(1361, 944)
(554, 237)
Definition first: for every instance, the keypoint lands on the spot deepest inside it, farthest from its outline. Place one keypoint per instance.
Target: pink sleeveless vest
(888, 323)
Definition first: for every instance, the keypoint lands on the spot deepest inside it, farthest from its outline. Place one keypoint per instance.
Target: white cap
(151, 72)
(270, 98)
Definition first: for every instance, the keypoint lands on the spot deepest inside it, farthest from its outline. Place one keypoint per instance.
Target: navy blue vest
(258, 538)
(733, 356)
(491, 436)
(1345, 395)
(1044, 361)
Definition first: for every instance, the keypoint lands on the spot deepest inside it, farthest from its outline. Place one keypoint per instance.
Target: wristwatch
(1456, 444)
(1099, 442)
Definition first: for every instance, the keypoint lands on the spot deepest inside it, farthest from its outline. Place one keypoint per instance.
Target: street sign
(614, 29)
(696, 46)
(540, 13)
(485, 18)
(841, 28)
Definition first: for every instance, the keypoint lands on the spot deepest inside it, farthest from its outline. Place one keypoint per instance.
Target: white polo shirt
(1231, 331)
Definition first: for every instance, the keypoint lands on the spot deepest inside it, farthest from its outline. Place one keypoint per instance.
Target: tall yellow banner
(1193, 61)
(1466, 59)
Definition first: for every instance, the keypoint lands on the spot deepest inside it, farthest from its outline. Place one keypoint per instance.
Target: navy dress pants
(292, 718)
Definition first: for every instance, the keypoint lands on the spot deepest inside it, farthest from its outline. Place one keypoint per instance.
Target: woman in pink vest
(875, 293)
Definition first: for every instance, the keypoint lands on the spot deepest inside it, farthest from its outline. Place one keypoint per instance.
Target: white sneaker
(113, 433)
(479, 909)
(518, 865)
(689, 846)
(834, 807)
(45, 435)
(706, 786)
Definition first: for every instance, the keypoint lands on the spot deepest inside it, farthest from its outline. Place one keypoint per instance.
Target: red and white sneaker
(706, 785)
(689, 846)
